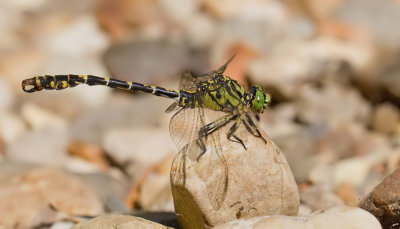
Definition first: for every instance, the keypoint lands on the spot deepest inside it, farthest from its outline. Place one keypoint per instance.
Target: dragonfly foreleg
(210, 128)
(258, 133)
(232, 131)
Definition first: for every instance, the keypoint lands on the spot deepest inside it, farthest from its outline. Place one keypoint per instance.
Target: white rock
(145, 146)
(340, 217)
(6, 95)
(39, 118)
(68, 41)
(352, 170)
(45, 147)
(118, 221)
(11, 127)
(62, 225)
(248, 183)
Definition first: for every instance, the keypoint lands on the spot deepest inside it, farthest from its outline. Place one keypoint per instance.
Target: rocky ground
(93, 157)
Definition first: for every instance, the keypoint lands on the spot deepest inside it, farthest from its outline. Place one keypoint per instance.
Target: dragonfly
(211, 91)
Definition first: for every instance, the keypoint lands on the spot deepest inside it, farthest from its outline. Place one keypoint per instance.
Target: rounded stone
(228, 182)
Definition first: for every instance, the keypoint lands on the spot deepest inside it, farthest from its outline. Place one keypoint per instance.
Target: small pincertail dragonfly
(211, 91)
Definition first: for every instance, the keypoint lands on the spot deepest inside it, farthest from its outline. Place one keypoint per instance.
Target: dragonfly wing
(185, 125)
(189, 82)
(184, 128)
(216, 180)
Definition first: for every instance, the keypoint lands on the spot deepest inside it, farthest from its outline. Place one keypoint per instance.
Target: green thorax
(220, 93)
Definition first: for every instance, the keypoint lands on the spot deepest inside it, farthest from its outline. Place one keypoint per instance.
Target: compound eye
(258, 101)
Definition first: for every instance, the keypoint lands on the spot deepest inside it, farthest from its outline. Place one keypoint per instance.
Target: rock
(68, 41)
(111, 190)
(386, 118)
(88, 152)
(62, 225)
(348, 194)
(155, 193)
(7, 97)
(44, 147)
(153, 190)
(340, 217)
(241, 184)
(11, 127)
(384, 201)
(42, 196)
(293, 63)
(64, 192)
(118, 144)
(323, 105)
(358, 13)
(118, 222)
(39, 118)
(358, 167)
(319, 197)
(150, 61)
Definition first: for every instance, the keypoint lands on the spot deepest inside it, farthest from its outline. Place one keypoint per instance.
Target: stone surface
(44, 147)
(39, 118)
(386, 118)
(42, 196)
(241, 184)
(384, 201)
(118, 222)
(340, 217)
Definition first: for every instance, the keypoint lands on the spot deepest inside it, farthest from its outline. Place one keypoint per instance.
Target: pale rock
(304, 210)
(11, 127)
(39, 118)
(134, 145)
(321, 173)
(386, 118)
(179, 10)
(44, 147)
(241, 184)
(64, 192)
(339, 217)
(7, 97)
(292, 63)
(203, 33)
(33, 197)
(155, 193)
(118, 222)
(319, 197)
(27, 5)
(68, 41)
(358, 14)
(352, 170)
(62, 225)
(288, 64)
(322, 105)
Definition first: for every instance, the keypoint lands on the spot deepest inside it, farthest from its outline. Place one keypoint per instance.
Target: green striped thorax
(259, 100)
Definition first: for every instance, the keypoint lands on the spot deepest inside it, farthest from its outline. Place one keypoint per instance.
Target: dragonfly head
(259, 100)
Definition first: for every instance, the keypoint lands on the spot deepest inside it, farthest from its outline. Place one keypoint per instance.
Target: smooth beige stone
(248, 183)
(344, 217)
(118, 222)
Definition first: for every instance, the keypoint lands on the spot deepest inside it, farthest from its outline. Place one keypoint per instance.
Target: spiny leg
(232, 131)
(251, 123)
(211, 127)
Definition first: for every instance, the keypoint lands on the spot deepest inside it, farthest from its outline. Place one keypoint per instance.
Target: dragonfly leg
(232, 131)
(211, 127)
(258, 133)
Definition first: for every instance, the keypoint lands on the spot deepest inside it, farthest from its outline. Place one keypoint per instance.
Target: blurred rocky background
(332, 67)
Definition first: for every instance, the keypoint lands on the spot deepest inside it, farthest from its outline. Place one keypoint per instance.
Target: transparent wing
(184, 129)
(185, 125)
(189, 82)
